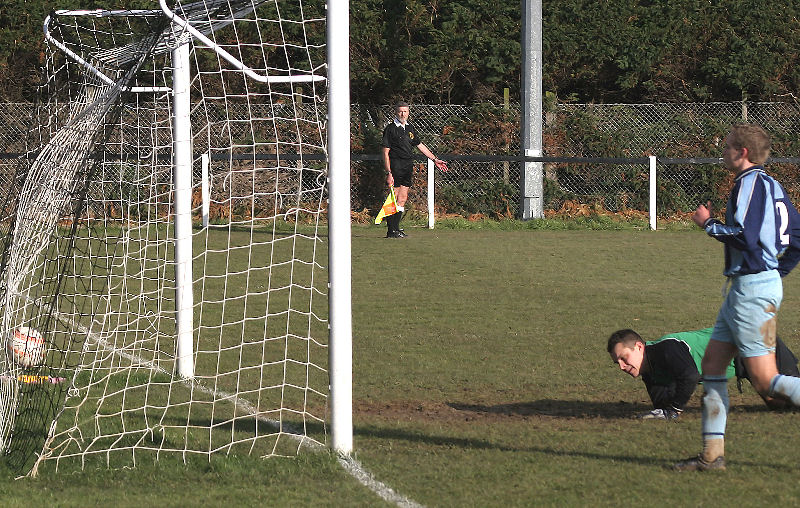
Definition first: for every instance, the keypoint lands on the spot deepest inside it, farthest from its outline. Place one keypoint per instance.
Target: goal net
(163, 237)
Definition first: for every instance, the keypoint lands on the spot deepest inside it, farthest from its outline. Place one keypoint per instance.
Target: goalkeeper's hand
(660, 414)
(441, 165)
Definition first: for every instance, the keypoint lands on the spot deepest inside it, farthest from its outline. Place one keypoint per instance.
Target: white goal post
(166, 237)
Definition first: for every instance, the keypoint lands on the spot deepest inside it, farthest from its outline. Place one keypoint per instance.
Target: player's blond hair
(752, 137)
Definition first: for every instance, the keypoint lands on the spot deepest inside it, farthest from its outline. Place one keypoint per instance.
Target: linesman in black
(399, 140)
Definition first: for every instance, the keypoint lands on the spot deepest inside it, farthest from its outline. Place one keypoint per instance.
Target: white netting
(89, 241)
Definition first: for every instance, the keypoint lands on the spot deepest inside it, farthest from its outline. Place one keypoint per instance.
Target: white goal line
(349, 464)
(191, 384)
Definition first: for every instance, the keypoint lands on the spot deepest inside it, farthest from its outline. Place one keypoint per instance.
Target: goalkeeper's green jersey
(697, 342)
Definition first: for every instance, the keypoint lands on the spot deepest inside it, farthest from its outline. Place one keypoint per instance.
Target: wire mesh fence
(678, 133)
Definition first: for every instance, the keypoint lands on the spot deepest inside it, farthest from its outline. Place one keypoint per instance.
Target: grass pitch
(481, 379)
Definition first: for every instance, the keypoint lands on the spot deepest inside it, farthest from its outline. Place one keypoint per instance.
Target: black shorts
(402, 174)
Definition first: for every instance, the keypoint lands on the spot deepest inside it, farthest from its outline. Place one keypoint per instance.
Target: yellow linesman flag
(389, 207)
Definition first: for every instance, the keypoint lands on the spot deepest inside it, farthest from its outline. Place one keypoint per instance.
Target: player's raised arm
(440, 164)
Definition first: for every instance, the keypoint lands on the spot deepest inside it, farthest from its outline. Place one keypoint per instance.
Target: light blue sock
(786, 386)
(715, 406)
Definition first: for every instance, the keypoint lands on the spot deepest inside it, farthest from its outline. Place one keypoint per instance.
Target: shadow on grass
(482, 444)
(554, 407)
(588, 409)
(255, 426)
(762, 408)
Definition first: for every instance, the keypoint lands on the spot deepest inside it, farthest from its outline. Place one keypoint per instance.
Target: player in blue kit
(761, 224)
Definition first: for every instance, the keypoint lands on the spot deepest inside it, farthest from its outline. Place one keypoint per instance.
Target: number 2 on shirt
(784, 214)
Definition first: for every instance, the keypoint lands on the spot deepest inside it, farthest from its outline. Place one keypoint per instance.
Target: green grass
(491, 384)
(481, 379)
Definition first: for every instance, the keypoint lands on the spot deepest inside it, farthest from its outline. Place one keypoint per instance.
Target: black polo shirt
(401, 143)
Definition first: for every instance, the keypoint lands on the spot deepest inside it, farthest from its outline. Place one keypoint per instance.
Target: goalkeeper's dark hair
(627, 337)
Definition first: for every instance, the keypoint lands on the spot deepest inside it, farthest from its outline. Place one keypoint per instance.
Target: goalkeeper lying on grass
(670, 367)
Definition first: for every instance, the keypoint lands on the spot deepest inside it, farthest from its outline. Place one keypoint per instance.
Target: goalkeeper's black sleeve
(673, 374)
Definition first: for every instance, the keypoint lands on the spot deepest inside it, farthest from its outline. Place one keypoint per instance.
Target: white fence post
(205, 187)
(652, 192)
(431, 167)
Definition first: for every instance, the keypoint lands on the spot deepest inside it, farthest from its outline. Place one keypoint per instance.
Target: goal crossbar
(184, 25)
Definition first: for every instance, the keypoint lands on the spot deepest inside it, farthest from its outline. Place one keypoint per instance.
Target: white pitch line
(365, 478)
(349, 464)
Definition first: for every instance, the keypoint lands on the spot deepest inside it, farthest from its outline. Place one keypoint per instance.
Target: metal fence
(678, 133)
(686, 137)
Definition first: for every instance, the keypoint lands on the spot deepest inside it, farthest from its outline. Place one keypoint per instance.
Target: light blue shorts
(748, 316)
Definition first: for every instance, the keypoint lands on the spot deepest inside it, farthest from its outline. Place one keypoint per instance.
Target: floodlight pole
(531, 174)
(339, 245)
(182, 193)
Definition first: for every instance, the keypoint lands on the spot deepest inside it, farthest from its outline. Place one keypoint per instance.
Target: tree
(667, 50)
(466, 51)
(433, 50)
